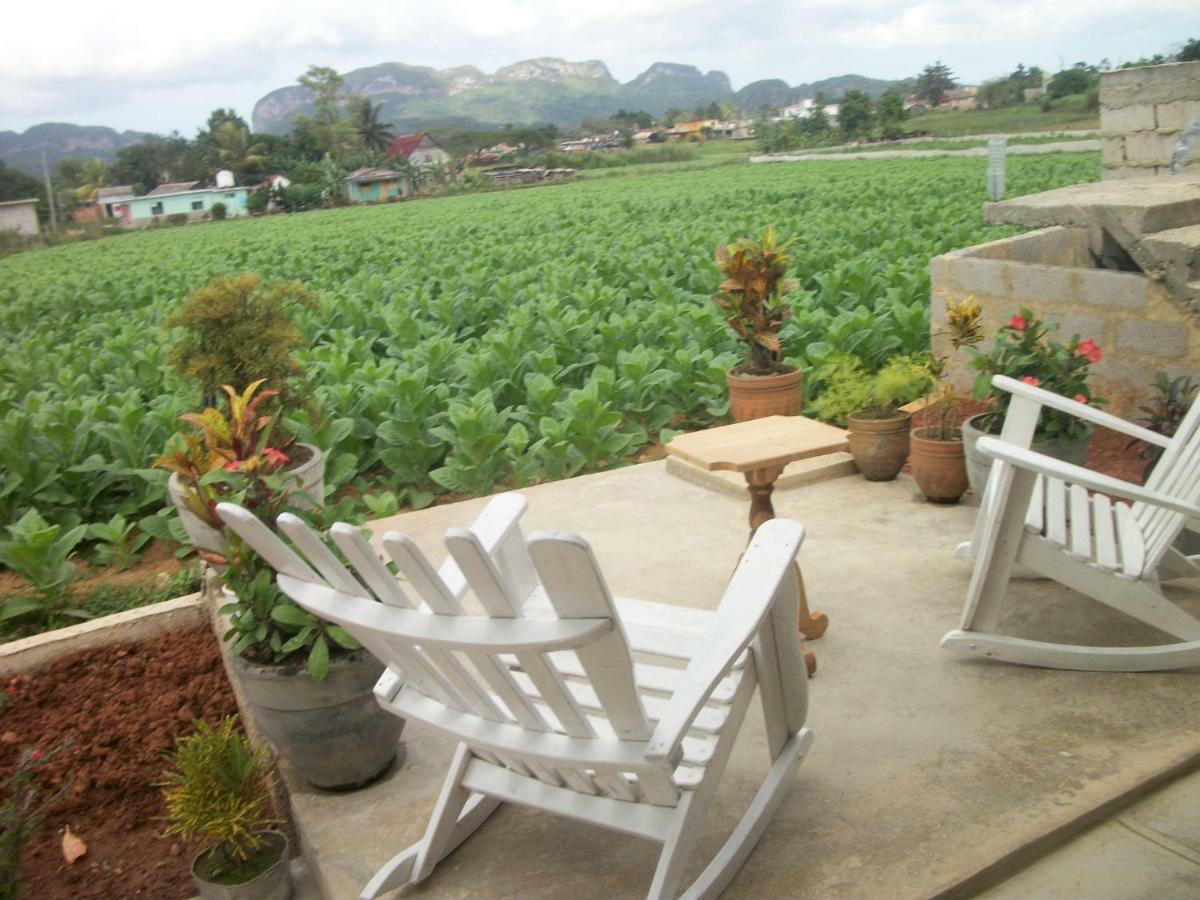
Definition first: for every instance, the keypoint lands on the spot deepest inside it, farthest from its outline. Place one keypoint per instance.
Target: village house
(372, 184)
(958, 98)
(419, 149)
(107, 199)
(19, 216)
(803, 109)
(177, 198)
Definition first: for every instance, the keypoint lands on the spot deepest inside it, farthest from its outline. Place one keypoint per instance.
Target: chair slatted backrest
(464, 663)
(1177, 475)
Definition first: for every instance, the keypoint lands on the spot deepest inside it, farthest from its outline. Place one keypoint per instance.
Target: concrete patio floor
(930, 773)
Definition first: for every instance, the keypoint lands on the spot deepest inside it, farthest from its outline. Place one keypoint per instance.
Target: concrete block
(1071, 324)
(1039, 284)
(1118, 173)
(1126, 119)
(1112, 151)
(1156, 338)
(978, 276)
(1104, 288)
(1176, 116)
(937, 309)
(1149, 148)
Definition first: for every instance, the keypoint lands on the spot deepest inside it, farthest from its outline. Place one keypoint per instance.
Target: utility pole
(49, 195)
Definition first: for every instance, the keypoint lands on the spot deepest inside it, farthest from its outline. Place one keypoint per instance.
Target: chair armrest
(1069, 472)
(1043, 397)
(735, 623)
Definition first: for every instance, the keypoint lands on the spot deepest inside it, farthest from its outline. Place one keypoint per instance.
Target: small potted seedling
(218, 790)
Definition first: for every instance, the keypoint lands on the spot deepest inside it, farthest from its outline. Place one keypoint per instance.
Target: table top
(758, 444)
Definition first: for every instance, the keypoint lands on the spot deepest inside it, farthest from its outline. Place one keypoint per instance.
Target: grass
(950, 144)
(102, 598)
(1068, 113)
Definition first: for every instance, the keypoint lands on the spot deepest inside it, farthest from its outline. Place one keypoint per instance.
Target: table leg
(761, 483)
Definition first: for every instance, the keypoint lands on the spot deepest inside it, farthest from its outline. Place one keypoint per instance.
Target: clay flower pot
(758, 396)
(879, 446)
(939, 467)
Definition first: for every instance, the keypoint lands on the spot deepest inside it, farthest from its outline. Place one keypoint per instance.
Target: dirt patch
(156, 564)
(121, 706)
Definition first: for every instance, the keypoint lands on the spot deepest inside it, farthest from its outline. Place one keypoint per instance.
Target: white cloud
(156, 65)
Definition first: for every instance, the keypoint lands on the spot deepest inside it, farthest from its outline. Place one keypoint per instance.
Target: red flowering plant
(236, 454)
(1025, 350)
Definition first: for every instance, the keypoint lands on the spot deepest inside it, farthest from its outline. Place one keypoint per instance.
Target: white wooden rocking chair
(1062, 521)
(541, 691)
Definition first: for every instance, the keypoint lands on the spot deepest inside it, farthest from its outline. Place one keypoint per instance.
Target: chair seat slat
(1081, 522)
(1056, 512)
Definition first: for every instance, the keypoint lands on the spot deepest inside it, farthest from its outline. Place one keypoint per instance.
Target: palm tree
(236, 149)
(93, 175)
(375, 135)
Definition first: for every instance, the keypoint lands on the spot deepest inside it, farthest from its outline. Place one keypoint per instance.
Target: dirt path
(1016, 150)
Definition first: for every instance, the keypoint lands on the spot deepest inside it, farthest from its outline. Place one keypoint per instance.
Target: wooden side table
(760, 449)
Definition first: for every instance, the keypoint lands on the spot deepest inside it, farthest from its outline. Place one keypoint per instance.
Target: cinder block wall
(1142, 113)
(1140, 328)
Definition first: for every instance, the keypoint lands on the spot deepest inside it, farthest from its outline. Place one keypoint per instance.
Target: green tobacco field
(474, 340)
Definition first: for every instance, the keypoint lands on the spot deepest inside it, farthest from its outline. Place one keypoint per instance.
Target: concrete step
(1173, 256)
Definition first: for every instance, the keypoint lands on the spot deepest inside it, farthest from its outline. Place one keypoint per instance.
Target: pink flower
(36, 755)
(1089, 349)
(1031, 381)
(1079, 398)
(1018, 323)
(232, 465)
(275, 457)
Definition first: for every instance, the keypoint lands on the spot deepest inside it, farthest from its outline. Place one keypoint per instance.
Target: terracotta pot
(939, 467)
(879, 446)
(758, 396)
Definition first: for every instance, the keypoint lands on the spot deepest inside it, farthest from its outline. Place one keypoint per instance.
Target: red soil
(121, 707)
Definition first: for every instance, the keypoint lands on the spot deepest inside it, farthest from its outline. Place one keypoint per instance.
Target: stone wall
(1140, 328)
(1142, 113)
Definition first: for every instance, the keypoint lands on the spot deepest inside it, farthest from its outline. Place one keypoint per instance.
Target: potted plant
(309, 684)
(237, 331)
(1023, 349)
(218, 790)
(241, 438)
(868, 405)
(938, 462)
(750, 300)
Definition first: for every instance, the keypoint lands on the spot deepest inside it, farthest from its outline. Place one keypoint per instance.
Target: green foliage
(424, 304)
(934, 81)
(22, 815)
(1024, 350)
(850, 388)
(612, 159)
(218, 790)
(120, 542)
(266, 627)
(854, 114)
(219, 210)
(1079, 79)
(1165, 412)
(40, 553)
(237, 330)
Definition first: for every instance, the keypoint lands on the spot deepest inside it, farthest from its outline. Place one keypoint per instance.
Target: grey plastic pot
(273, 883)
(308, 478)
(332, 731)
(980, 466)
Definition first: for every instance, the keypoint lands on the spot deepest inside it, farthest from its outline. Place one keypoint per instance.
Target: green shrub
(850, 388)
(177, 219)
(218, 790)
(236, 331)
(218, 210)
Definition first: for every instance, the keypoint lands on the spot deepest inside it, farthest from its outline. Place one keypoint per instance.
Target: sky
(157, 65)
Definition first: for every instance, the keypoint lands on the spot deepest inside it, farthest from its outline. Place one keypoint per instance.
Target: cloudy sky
(154, 65)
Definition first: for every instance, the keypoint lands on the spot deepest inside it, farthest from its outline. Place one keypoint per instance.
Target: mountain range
(534, 91)
(540, 91)
(60, 139)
